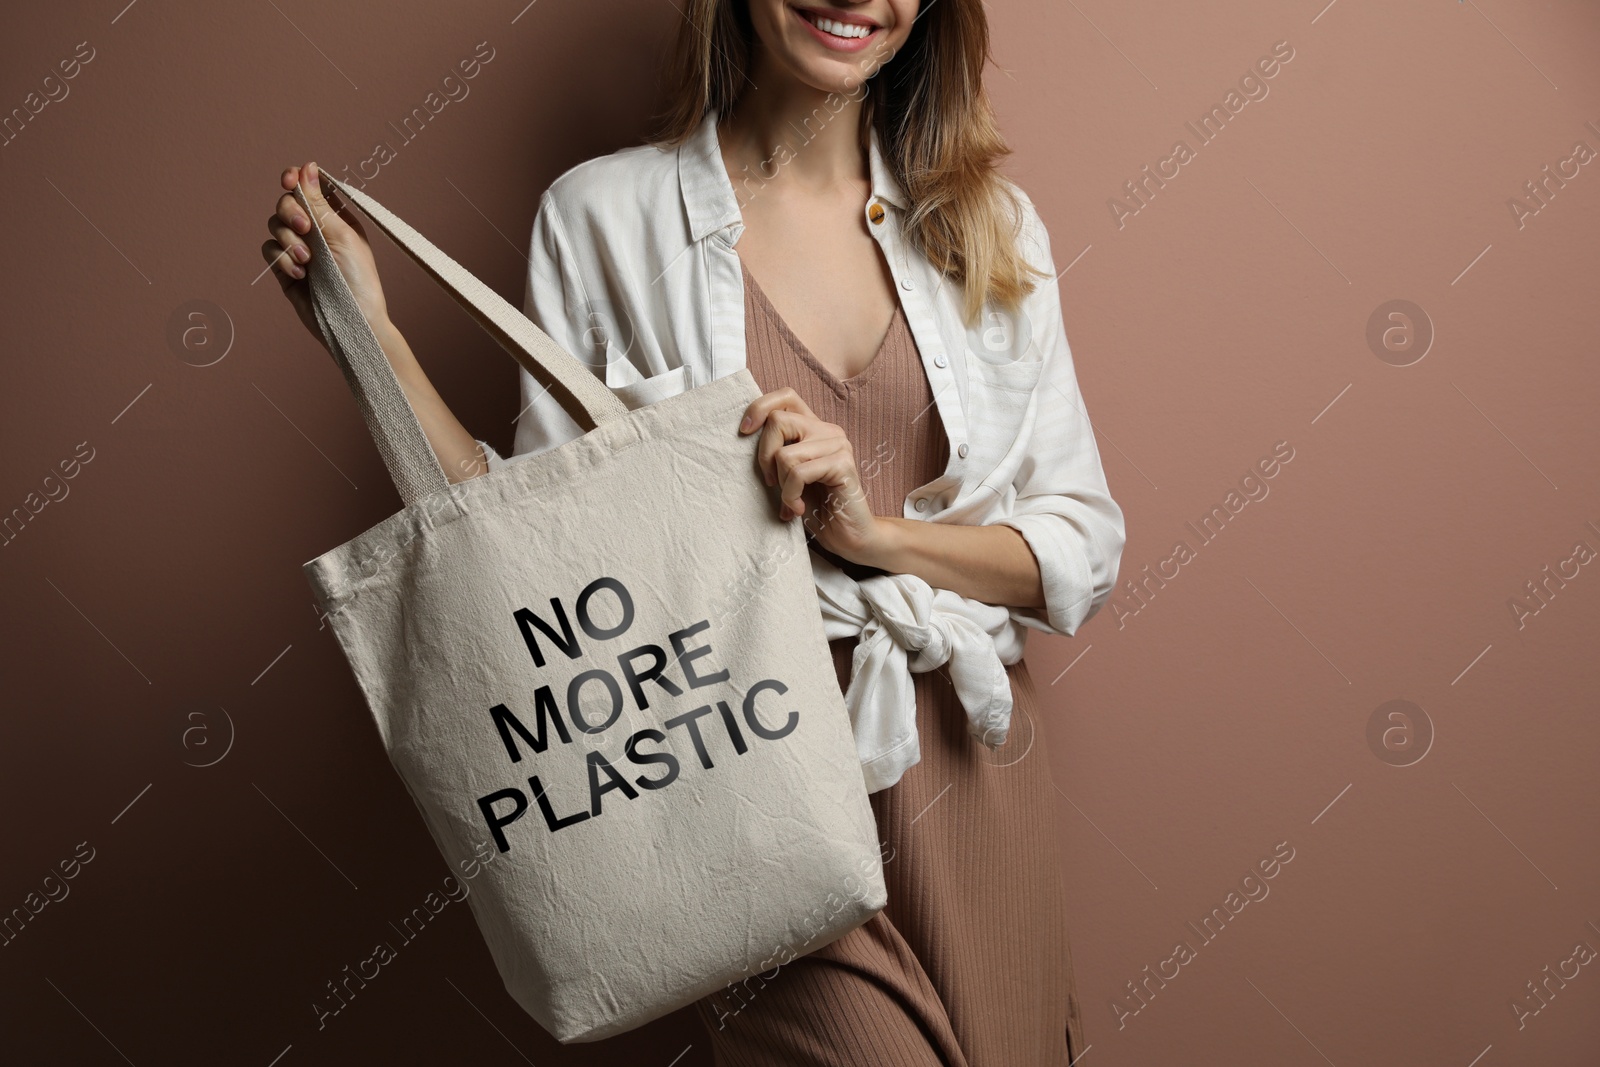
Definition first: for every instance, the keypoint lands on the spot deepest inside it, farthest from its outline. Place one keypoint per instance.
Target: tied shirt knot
(905, 626)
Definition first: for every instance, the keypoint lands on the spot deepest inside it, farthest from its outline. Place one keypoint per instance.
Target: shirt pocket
(1002, 391)
(1001, 406)
(635, 390)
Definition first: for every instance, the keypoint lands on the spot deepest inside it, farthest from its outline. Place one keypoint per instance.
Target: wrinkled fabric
(906, 627)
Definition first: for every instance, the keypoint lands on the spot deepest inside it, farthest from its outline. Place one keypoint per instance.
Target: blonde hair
(935, 125)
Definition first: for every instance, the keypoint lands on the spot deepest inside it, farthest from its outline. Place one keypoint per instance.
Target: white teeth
(839, 29)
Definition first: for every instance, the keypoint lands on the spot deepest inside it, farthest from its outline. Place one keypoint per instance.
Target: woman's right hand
(288, 252)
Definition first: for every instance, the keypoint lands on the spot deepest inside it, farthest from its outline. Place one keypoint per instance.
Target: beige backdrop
(1334, 280)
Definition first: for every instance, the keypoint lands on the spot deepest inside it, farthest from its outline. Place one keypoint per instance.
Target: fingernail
(312, 172)
(301, 223)
(296, 272)
(301, 253)
(744, 425)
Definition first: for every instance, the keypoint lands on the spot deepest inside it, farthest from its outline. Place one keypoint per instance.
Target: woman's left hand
(814, 467)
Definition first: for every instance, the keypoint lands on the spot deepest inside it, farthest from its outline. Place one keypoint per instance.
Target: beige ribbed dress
(969, 964)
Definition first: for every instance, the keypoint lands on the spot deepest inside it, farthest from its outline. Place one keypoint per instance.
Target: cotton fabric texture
(524, 637)
(633, 269)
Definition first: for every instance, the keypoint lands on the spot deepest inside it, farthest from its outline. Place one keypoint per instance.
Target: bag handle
(390, 419)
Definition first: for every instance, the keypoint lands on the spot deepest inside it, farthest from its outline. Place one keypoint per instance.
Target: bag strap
(390, 419)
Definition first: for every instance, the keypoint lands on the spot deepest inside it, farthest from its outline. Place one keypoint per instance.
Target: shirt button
(939, 360)
(907, 284)
(962, 451)
(875, 212)
(921, 504)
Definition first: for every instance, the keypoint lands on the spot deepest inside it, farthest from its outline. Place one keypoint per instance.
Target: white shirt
(632, 269)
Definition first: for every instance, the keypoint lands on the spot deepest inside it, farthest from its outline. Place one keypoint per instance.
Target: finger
(289, 212)
(827, 470)
(779, 428)
(338, 207)
(283, 266)
(785, 429)
(785, 399)
(288, 240)
(793, 458)
(299, 295)
(300, 299)
(341, 206)
(311, 185)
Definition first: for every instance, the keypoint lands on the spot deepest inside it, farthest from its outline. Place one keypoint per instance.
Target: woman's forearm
(457, 450)
(991, 564)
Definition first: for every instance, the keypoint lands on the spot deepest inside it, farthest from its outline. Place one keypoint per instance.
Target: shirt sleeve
(1063, 507)
(494, 459)
(553, 299)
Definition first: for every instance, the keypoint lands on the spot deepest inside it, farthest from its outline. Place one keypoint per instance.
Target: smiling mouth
(848, 31)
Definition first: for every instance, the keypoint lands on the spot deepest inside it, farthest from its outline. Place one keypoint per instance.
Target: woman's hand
(813, 466)
(455, 448)
(288, 253)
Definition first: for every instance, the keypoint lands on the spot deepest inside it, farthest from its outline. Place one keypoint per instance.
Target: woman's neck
(793, 135)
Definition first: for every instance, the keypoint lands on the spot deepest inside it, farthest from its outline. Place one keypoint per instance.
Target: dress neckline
(837, 384)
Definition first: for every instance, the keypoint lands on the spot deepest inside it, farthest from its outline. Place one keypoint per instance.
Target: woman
(920, 414)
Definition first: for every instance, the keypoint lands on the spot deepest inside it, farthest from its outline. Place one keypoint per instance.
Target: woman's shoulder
(625, 187)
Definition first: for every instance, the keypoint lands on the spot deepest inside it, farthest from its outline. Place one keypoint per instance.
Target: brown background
(157, 617)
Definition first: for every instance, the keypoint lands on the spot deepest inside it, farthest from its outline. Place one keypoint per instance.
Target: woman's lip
(828, 40)
(840, 16)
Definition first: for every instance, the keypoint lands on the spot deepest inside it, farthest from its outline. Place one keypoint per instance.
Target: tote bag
(601, 673)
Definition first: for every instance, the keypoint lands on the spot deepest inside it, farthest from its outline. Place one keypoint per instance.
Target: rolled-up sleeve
(1063, 508)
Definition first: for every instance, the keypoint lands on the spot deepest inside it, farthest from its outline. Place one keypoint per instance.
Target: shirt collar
(708, 195)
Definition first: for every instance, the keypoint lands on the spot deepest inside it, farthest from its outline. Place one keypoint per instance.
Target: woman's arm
(458, 453)
(1063, 507)
(814, 466)
(992, 564)
(457, 450)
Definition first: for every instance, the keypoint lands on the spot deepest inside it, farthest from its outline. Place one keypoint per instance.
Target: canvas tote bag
(601, 674)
